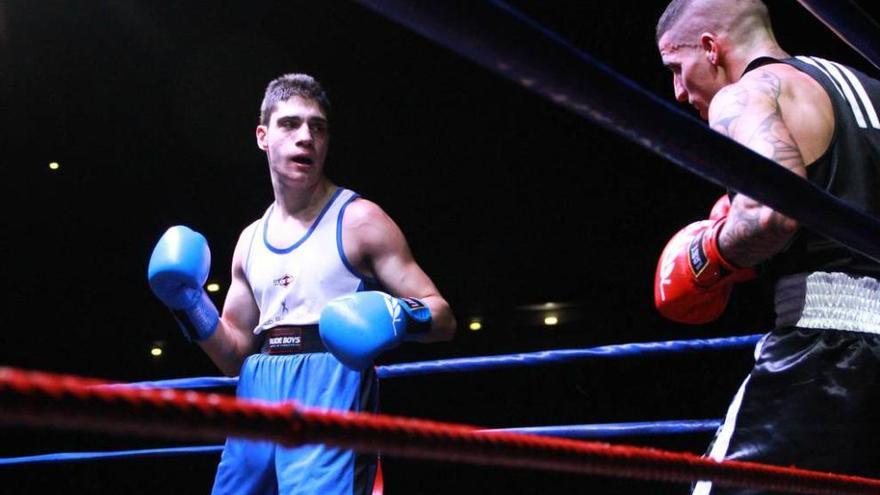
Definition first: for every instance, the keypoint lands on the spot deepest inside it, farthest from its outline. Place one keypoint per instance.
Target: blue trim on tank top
(305, 236)
(367, 283)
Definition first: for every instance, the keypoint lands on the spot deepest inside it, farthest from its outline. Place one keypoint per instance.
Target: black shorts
(811, 401)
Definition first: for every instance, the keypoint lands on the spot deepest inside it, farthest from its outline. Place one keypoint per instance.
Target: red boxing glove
(693, 281)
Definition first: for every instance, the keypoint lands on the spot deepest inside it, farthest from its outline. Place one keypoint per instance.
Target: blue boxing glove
(178, 268)
(359, 326)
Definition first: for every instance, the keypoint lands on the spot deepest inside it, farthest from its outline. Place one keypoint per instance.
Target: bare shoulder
(366, 225)
(768, 111)
(786, 83)
(763, 82)
(803, 105)
(727, 106)
(365, 217)
(768, 81)
(785, 73)
(757, 92)
(362, 211)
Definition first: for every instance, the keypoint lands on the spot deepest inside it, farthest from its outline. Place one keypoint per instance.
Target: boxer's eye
(289, 123)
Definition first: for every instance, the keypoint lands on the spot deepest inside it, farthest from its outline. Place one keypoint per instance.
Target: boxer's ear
(261, 137)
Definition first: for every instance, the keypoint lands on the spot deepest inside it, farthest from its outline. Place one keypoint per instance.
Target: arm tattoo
(771, 137)
(753, 235)
(730, 111)
(750, 114)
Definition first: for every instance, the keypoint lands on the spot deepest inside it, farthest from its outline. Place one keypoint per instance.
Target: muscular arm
(234, 339)
(372, 238)
(750, 113)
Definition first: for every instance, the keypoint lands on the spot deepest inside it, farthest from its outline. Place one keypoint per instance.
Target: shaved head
(741, 20)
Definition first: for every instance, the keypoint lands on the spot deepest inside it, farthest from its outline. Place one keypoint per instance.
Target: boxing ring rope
(45, 399)
(609, 430)
(613, 430)
(487, 363)
(119, 454)
(496, 36)
(470, 364)
(484, 363)
(850, 23)
(189, 383)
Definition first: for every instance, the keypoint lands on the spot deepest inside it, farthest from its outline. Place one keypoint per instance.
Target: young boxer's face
(295, 140)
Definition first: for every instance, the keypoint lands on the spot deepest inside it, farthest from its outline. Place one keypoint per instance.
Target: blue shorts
(314, 380)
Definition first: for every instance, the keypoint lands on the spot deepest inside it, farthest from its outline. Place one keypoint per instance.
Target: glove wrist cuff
(418, 316)
(199, 322)
(706, 261)
(714, 250)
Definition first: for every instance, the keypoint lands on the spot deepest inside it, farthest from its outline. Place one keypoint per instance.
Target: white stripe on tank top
(292, 284)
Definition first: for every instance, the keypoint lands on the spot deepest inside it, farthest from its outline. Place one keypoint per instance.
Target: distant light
(550, 320)
(157, 348)
(213, 287)
(475, 325)
(54, 165)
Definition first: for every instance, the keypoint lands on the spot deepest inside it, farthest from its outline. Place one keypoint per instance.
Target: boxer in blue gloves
(321, 285)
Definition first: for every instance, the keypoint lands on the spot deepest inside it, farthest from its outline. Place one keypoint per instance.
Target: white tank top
(291, 284)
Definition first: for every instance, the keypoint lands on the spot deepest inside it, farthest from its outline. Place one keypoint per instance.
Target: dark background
(507, 201)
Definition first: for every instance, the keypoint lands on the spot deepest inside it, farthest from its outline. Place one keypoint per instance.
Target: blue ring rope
(484, 363)
(568, 431)
(504, 40)
(118, 454)
(192, 383)
(560, 356)
(612, 430)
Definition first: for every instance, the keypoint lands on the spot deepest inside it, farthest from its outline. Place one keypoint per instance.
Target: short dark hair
(740, 18)
(671, 16)
(289, 85)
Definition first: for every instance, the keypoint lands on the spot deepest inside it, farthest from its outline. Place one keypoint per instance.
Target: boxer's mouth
(303, 160)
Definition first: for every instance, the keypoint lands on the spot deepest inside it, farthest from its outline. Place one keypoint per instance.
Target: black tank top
(849, 169)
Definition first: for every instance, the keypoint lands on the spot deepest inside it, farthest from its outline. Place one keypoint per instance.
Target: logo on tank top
(283, 281)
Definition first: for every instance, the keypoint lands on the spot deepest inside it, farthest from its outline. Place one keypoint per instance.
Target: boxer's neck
(304, 204)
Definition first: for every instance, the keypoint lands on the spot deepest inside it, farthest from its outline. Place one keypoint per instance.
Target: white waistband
(833, 301)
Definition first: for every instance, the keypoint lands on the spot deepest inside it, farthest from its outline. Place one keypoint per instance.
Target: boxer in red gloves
(812, 400)
(693, 281)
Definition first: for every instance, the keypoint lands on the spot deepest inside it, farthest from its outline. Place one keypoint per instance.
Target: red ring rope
(46, 399)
